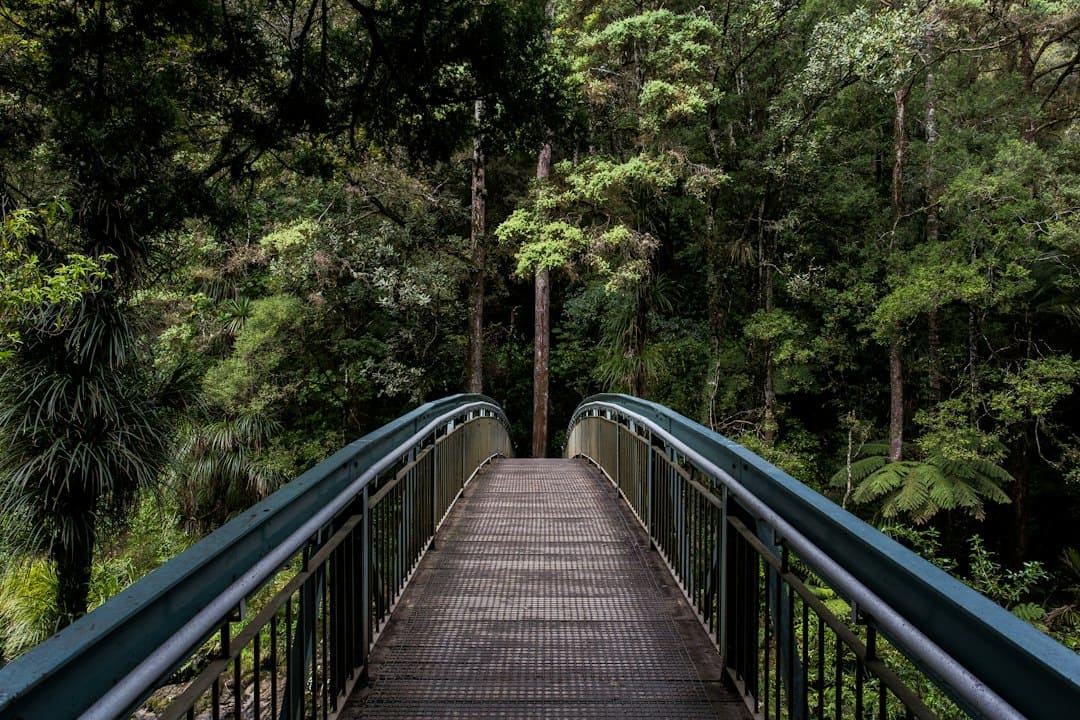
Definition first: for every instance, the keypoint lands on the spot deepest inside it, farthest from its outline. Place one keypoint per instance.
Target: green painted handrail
(1024, 667)
(67, 673)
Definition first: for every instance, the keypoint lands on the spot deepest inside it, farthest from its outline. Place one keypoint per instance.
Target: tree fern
(920, 489)
(859, 470)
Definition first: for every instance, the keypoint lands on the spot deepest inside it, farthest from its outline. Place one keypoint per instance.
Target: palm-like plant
(219, 471)
(920, 489)
(628, 360)
(82, 429)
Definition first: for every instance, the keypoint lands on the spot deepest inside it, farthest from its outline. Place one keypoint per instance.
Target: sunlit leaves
(26, 284)
(869, 45)
(1032, 390)
(546, 246)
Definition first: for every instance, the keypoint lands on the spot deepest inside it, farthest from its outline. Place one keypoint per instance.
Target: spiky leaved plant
(82, 428)
(219, 471)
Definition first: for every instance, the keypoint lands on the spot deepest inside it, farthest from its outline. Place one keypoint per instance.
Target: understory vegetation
(238, 235)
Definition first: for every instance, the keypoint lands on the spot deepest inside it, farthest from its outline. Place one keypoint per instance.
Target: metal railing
(274, 614)
(771, 566)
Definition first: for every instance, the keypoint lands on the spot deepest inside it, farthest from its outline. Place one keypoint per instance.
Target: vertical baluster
(722, 537)
(225, 638)
(703, 547)
(365, 583)
(860, 668)
(805, 659)
(735, 623)
(821, 667)
(768, 641)
(274, 668)
(238, 687)
(256, 672)
(871, 654)
(327, 665)
(791, 642)
(838, 680)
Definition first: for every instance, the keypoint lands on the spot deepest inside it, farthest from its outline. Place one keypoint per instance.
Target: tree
(542, 329)
(24, 285)
(85, 415)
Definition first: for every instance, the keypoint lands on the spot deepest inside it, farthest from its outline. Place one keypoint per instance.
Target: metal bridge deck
(541, 599)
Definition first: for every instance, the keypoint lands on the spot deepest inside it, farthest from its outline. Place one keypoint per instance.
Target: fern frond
(967, 498)
(915, 492)
(1029, 612)
(992, 471)
(990, 489)
(885, 479)
(959, 469)
(860, 470)
(1071, 557)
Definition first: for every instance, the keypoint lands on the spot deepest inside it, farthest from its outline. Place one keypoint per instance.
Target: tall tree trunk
(896, 367)
(542, 332)
(771, 426)
(899, 158)
(479, 252)
(932, 219)
(714, 287)
(896, 400)
(973, 348)
(765, 283)
(713, 283)
(933, 230)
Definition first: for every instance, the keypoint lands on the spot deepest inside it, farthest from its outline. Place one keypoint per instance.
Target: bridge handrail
(990, 660)
(149, 628)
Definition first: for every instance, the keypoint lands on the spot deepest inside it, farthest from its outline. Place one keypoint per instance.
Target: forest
(238, 234)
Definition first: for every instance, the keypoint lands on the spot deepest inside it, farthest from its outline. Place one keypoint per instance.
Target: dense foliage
(236, 235)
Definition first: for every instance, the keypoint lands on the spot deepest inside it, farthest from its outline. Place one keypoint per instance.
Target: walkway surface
(542, 599)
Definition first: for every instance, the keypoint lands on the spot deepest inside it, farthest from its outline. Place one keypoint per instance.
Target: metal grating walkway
(541, 599)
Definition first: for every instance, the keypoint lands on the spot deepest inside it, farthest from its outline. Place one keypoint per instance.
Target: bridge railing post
(722, 580)
(650, 526)
(365, 584)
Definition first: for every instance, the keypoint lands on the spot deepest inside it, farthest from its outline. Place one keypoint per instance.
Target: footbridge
(659, 570)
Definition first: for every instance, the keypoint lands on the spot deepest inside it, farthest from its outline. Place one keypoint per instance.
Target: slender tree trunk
(542, 333)
(896, 367)
(479, 252)
(850, 459)
(542, 309)
(713, 284)
(896, 400)
(765, 282)
(771, 426)
(716, 311)
(932, 235)
(932, 219)
(899, 158)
